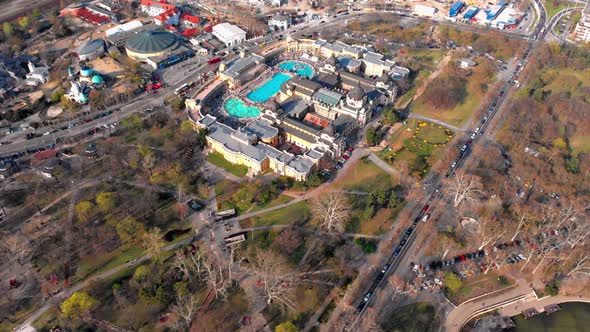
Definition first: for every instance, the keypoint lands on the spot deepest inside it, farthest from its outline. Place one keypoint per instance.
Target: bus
(181, 90)
(222, 215)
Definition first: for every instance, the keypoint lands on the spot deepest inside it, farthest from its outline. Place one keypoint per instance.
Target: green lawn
(454, 117)
(430, 57)
(293, 214)
(434, 134)
(218, 160)
(377, 225)
(97, 264)
(277, 201)
(365, 176)
(459, 114)
(417, 148)
(554, 6)
(478, 285)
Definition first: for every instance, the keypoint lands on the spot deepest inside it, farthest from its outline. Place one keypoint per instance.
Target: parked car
(194, 205)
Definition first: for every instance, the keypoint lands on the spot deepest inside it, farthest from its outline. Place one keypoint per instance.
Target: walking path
(383, 165)
(509, 303)
(435, 121)
(26, 325)
(309, 230)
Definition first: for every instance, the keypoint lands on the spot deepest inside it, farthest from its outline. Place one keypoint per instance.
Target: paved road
(432, 196)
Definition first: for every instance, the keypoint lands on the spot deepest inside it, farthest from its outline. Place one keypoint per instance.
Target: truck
(214, 60)
(456, 8)
(493, 13)
(470, 12)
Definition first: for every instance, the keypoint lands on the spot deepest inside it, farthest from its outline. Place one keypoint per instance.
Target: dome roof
(97, 79)
(357, 93)
(149, 42)
(92, 46)
(86, 71)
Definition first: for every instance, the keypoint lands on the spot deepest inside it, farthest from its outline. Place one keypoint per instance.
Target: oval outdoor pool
(237, 108)
(301, 68)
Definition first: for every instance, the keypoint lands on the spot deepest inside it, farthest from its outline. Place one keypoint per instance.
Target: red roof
(190, 32)
(167, 14)
(316, 120)
(190, 18)
(163, 4)
(46, 154)
(93, 17)
(209, 28)
(171, 28)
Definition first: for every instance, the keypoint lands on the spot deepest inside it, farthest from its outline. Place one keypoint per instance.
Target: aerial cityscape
(295, 165)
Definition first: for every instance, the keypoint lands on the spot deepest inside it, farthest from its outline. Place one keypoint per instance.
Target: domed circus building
(157, 48)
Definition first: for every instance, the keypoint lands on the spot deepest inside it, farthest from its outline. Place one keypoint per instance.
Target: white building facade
(229, 34)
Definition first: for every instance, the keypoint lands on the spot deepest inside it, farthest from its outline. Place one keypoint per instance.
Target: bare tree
(185, 308)
(332, 210)
(444, 244)
(398, 286)
(577, 233)
(287, 241)
(581, 264)
(491, 230)
(464, 187)
(154, 244)
(524, 220)
(547, 249)
(277, 285)
(216, 278)
(496, 259)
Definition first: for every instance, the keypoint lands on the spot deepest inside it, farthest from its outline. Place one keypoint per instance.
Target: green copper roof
(151, 42)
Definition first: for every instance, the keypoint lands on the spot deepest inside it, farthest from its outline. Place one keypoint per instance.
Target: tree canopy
(78, 305)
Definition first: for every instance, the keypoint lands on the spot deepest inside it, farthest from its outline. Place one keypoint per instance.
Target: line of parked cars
(344, 158)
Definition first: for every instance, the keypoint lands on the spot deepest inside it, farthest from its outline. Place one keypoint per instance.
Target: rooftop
(227, 31)
(262, 129)
(328, 97)
(240, 64)
(300, 164)
(151, 42)
(294, 106)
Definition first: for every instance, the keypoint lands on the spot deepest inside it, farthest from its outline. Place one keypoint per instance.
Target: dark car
(194, 205)
(397, 251)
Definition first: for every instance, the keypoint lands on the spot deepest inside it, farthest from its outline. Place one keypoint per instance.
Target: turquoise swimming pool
(237, 108)
(301, 68)
(268, 89)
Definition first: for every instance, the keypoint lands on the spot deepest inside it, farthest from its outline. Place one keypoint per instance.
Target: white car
(473, 135)
(453, 164)
(426, 216)
(477, 130)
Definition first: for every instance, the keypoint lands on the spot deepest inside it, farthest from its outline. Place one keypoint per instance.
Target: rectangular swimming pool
(268, 89)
